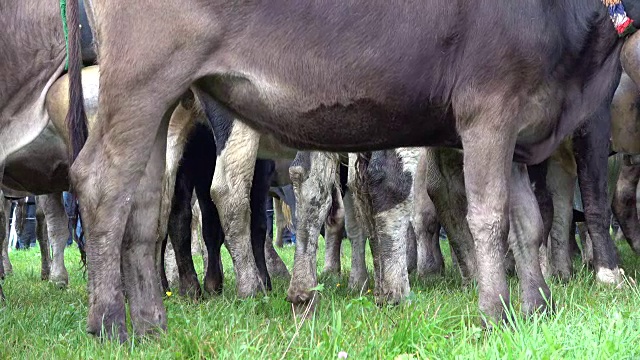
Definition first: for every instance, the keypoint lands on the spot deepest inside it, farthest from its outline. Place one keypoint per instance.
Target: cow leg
(106, 176)
(313, 178)
(162, 263)
(358, 277)
(525, 237)
(4, 237)
(624, 205)
(426, 225)
(141, 278)
(213, 236)
(333, 230)
(58, 234)
(259, 191)
(275, 266)
(561, 180)
(488, 153)
(280, 222)
(179, 231)
(591, 147)
(230, 192)
(43, 242)
(445, 187)
(389, 181)
(412, 248)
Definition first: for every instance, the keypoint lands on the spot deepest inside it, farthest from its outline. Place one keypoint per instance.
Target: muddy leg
(445, 186)
(525, 238)
(313, 175)
(591, 147)
(561, 180)
(161, 264)
(106, 176)
(426, 225)
(358, 277)
(141, 279)
(625, 207)
(389, 183)
(487, 160)
(230, 192)
(43, 242)
(333, 228)
(412, 249)
(58, 234)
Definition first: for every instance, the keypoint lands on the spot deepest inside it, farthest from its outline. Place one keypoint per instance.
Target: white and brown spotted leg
(230, 191)
(313, 175)
(58, 232)
(333, 230)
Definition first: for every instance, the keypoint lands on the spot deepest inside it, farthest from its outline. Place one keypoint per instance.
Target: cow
(319, 76)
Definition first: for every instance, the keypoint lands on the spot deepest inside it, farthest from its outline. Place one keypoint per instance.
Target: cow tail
(76, 116)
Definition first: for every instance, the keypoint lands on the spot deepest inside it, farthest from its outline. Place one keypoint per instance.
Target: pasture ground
(440, 321)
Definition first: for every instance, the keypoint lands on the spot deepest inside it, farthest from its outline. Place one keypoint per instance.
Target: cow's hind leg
(141, 280)
(333, 230)
(43, 242)
(525, 237)
(488, 153)
(313, 177)
(179, 231)
(106, 176)
(358, 277)
(259, 191)
(58, 233)
(4, 237)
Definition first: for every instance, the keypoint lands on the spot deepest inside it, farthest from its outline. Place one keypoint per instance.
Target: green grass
(440, 321)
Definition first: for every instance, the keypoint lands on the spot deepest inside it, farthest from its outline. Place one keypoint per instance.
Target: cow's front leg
(230, 191)
(488, 153)
(58, 233)
(313, 177)
(43, 242)
(525, 237)
(358, 277)
(5, 210)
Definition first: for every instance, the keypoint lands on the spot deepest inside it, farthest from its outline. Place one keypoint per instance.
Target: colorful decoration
(622, 23)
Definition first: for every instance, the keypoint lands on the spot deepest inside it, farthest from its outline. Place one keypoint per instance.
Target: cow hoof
(190, 289)
(610, 276)
(534, 302)
(149, 319)
(60, 281)
(44, 276)
(213, 286)
(107, 322)
(393, 295)
(358, 281)
(493, 312)
(248, 286)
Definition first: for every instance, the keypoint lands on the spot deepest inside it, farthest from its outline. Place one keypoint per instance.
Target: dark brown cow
(320, 75)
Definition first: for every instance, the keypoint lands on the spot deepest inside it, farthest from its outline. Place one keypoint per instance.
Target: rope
(65, 30)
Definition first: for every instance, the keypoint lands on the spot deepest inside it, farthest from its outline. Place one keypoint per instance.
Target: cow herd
(390, 119)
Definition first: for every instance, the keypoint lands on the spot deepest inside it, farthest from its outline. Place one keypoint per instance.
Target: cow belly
(40, 167)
